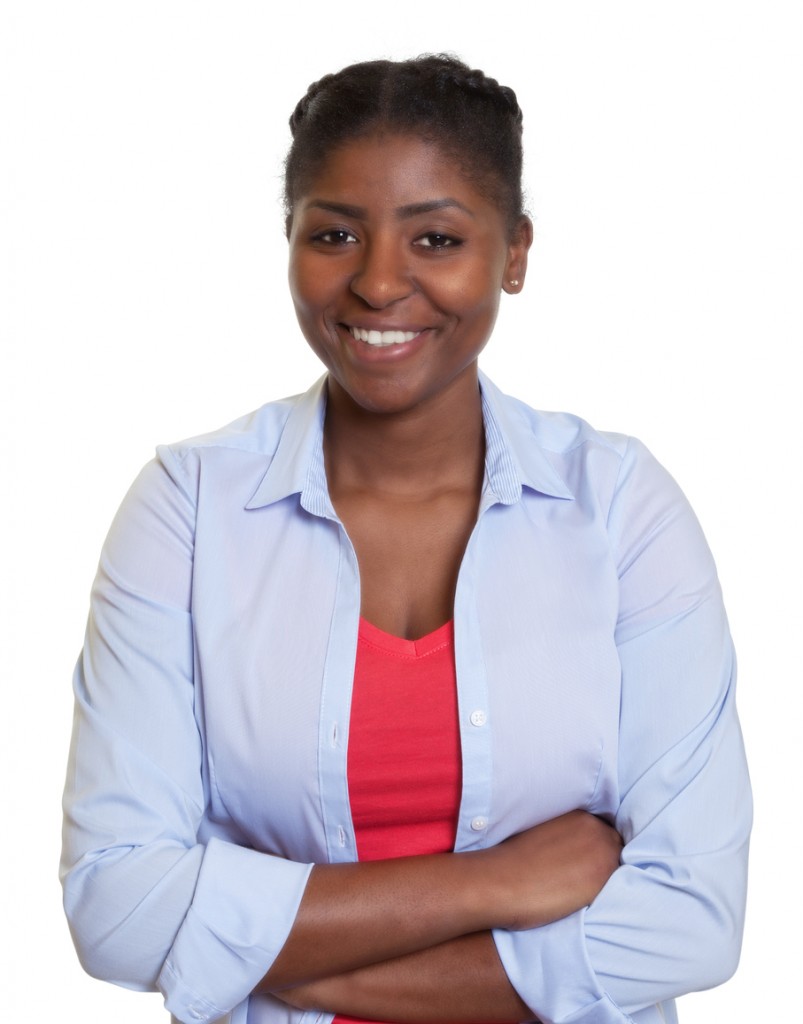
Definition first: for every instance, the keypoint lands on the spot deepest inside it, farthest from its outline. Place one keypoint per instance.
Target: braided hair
(472, 118)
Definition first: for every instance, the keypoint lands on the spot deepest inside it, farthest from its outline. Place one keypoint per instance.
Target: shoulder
(662, 560)
(582, 456)
(563, 432)
(559, 433)
(237, 456)
(612, 476)
(256, 432)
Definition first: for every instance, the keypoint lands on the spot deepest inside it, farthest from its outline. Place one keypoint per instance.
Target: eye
(436, 240)
(335, 236)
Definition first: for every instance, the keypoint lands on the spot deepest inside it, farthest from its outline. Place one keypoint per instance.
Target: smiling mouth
(382, 338)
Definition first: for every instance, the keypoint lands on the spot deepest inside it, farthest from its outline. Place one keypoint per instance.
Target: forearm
(355, 915)
(462, 979)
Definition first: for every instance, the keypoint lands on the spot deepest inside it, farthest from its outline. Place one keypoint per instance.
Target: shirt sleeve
(669, 920)
(149, 905)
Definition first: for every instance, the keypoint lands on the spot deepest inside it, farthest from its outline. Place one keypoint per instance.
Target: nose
(383, 275)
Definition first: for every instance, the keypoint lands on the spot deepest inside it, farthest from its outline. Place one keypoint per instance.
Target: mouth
(380, 339)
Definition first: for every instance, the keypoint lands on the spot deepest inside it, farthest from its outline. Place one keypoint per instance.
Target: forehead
(396, 170)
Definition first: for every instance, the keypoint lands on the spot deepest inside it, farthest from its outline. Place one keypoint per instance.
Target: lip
(374, 336)
(383, 325)
(363, 351)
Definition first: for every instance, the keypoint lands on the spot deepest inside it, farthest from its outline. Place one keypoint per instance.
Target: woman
(398, 616)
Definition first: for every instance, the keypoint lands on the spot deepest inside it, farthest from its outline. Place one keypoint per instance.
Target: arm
(669, 920)
(354, 915)
(563, 863)
(458, 980)
(150, 905)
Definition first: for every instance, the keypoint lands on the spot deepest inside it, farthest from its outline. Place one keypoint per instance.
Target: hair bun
(303, 105)
(477, 81)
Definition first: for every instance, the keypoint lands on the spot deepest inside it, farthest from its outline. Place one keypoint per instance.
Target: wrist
(488, 900)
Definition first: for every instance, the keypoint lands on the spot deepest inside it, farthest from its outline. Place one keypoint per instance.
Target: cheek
(297, 280)
(306, 290)
(308, 304)
(473, 296)
(473, 285)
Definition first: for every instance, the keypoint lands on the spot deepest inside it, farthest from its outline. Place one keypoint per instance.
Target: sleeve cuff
(241, 914)
(550, 970)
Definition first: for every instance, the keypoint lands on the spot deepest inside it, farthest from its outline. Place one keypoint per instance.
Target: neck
(438, 444)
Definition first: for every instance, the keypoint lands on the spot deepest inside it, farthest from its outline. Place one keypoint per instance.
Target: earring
(513, 283)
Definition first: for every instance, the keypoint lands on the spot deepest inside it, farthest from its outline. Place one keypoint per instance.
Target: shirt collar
(513, 457)
(298, 467)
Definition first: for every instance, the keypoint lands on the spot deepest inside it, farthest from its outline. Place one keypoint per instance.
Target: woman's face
(397, 263)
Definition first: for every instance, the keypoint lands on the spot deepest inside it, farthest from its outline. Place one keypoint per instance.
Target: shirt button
(479, 823)
(478, 718)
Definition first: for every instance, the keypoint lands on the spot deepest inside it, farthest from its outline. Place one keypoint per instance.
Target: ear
(288, 226)
(516, 265)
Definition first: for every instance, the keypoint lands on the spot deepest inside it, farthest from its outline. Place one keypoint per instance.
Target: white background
(144, 300)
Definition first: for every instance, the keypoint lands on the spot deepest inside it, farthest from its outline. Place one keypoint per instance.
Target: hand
(552, 869)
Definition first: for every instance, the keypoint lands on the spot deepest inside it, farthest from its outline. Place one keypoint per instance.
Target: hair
(475, 121)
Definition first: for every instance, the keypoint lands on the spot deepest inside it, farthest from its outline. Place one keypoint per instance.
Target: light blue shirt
(594, 670)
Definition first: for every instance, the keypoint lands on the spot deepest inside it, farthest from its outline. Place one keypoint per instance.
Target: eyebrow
(402, 212)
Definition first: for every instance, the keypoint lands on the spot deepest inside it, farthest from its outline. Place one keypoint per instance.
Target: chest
(409, 551)
(276, 618)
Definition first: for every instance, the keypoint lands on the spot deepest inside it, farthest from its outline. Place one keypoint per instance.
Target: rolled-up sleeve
(149, 905)
(669, 920)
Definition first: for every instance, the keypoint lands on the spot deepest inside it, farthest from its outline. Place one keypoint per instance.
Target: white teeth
(382, 337)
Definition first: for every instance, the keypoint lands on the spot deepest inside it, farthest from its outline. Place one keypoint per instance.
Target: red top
(404, 764)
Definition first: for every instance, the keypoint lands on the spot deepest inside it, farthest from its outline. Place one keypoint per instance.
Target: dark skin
(392, 239)
(420, 489)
